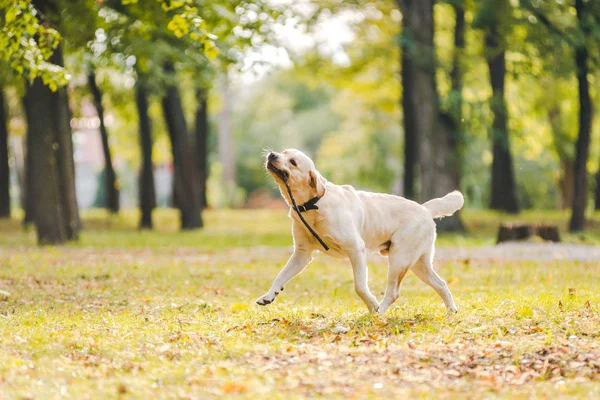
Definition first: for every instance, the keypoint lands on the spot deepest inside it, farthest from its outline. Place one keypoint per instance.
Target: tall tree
(582, 148)
(578, 36)
(564, 147)
(438, 173)
(411, 139)
(28, 198)
(185, 176)
(111, 183)
(451, 120)
(224, 131)
(147, 196)
(201, 128)
(51, 162)
(4, 167)
(493, 18)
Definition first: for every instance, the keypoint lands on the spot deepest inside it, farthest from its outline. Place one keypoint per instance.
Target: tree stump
(514, 232)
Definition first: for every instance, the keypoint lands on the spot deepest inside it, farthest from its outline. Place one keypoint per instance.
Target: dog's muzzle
(283, 175)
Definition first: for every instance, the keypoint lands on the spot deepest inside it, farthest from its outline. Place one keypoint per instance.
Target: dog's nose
(272, 157)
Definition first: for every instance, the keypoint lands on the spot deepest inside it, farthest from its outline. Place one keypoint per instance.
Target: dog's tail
(445, 206)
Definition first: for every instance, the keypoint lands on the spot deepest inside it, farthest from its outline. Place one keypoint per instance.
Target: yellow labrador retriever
(351, 222)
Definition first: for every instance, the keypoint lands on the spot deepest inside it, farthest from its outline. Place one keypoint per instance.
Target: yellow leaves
(179, 26)
(526, 312)
(237, 307)
(232, 387)
(534, 329)
(26, 45)
(190, 23)
(10, 15)
(210, 49)
(173, 4)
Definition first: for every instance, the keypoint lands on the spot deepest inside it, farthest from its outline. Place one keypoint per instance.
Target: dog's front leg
(296, 264)
(358, 258)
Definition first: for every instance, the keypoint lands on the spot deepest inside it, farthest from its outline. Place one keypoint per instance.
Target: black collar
(313, 201)
(309, 205)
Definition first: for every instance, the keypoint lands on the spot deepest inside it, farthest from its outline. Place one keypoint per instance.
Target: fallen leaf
(232, 387)
(121, 389)
(340, 329)
(452, 372)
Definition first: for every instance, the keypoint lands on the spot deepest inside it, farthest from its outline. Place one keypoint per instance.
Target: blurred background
(136, 105)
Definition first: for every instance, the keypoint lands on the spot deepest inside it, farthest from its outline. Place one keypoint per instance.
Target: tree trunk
(225, 144)
(503, 194)
(566, 183)
(451, 121)
(50, 150)
(448, 127)
(111, 185)
(411, 139)
(4, 168)
(185, 170)
(582, 148)
(597, 192)
(44, 175)
(421, 96)
(28, 198)
(202, 143)
(566, 180)
(147, 192)
(438, 175)
(66, 162)
(20, 160)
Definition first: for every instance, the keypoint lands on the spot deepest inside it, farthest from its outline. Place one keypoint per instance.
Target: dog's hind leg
(424, 270)
(397, 267)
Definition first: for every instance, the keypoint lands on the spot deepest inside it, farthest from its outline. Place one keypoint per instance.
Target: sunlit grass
(246, 228)
(171, 315)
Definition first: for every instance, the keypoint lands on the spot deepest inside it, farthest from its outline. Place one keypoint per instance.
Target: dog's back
(385, 214)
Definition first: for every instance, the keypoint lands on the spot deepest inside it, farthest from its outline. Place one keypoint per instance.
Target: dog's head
(299, 171)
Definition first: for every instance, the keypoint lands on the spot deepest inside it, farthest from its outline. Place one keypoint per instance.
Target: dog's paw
(373, 309)
(265, 299)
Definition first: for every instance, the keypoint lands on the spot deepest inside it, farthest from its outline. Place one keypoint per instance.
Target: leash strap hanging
(316, 236)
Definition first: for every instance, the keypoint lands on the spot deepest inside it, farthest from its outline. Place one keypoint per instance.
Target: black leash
(302, 218)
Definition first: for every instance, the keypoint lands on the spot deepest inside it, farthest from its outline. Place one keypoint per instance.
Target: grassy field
(171, 315)
(248, 228)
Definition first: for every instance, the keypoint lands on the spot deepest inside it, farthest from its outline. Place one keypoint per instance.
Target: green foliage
(26, 43)
(27, 39)
(278, 113)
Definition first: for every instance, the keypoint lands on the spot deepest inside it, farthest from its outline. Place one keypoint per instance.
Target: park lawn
(248, 228)
(157, 315)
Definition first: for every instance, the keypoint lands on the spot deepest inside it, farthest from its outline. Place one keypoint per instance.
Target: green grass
(248, 228)
(171, 315)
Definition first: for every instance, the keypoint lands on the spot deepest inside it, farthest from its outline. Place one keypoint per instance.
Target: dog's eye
(293, 162)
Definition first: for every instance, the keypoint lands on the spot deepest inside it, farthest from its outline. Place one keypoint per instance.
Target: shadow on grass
(367, 325)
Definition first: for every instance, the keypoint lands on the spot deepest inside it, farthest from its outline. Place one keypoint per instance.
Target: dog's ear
(317, 182)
